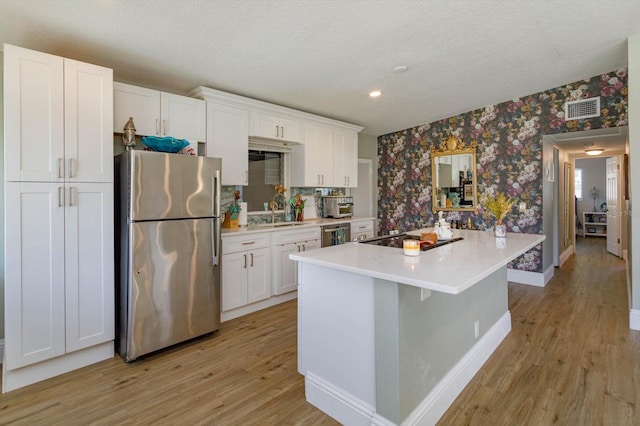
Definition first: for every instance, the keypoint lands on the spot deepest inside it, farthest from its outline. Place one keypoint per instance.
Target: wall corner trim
(537, 279)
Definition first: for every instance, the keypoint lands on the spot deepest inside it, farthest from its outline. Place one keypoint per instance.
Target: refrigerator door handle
(216, 221)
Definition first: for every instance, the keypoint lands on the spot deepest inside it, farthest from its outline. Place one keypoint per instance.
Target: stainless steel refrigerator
(168, 249)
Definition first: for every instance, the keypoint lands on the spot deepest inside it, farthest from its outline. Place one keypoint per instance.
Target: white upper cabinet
(88, 120)
(345, 158)
(312, 162)
(33, 115)
(228, 138)
(272, 126)
(158, 113)
(138, 102)
(59, 125)
(316, 143)
(183, 117)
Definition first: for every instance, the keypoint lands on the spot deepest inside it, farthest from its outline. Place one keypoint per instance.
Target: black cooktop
(396, 241)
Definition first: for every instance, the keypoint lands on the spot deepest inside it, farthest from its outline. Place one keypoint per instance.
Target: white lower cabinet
(246, 270)
(59, 269)
(287, 242)
(362, 230)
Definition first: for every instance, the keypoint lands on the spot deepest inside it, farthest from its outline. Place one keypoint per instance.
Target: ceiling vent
(584, 108)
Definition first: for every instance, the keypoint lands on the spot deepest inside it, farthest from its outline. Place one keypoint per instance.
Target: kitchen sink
(280, 224)
(287, 224)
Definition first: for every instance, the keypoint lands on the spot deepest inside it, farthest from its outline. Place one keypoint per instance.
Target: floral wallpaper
(509, 157)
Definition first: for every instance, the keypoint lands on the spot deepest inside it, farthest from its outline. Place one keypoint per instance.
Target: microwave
(337, 206)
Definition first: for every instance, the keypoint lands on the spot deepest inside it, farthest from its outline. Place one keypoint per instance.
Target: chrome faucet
(274, 205)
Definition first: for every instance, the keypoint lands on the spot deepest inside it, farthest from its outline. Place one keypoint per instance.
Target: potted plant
(499, 206)
(297, 206)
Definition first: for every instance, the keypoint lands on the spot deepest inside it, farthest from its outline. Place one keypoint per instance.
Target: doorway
(568, 222)
(363, 194)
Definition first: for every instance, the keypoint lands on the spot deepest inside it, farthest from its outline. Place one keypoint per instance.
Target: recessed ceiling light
(375, 93)
(401, 68)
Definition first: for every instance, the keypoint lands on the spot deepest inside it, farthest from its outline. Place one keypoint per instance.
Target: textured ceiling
(325, 56)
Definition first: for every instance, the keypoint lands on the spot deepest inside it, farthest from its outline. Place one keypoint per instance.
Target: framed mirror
(454, 181)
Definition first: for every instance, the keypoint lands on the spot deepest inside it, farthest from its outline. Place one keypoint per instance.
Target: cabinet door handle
(318, 179)
(246, 176)
(298, 247)
(157, 126)
(164, 127)
(304, 247)
(281, 132)
(248, 243)
(72, 190)
(60, 168)
(251, 260)
(245, 261)
(60, 196)
(277, 131)
(70, 167)
(322, 179)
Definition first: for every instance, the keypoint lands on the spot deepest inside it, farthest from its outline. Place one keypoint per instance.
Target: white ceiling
(325, 56)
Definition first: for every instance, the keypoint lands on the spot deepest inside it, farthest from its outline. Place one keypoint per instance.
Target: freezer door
(171, 186)
(174, 287)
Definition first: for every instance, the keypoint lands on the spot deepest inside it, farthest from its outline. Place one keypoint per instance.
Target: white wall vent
(583, 108)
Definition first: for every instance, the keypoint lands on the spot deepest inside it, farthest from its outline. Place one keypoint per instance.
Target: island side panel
(336, 352)
(436, 333)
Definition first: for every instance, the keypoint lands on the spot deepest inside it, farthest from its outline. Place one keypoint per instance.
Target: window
(266, 170)
(577, 179)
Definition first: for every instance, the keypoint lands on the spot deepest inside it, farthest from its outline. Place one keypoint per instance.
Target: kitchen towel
(242, 217)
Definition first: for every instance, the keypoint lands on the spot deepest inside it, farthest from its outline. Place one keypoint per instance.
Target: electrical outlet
(476, 328)
(522, 207)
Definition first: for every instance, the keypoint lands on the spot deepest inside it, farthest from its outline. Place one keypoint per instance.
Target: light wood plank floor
(244, 374)
(569, 359)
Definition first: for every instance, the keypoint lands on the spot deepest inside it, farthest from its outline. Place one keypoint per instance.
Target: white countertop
(451, 268)
(278, 226)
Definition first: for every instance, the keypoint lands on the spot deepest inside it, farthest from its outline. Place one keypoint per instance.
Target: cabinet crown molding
(214, 95)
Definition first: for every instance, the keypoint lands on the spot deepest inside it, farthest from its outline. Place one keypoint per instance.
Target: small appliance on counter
(337, 206)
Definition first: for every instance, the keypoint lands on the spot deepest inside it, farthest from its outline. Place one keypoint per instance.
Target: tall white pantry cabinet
(59, 265)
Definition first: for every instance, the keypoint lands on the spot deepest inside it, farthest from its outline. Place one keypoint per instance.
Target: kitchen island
(385, 338)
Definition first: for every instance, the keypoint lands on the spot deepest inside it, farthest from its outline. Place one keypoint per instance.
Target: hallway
(570, 357)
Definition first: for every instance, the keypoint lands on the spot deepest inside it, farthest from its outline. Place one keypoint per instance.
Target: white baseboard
(257, 306)
(14, 379)
(342, 406)
(565, 255)
(429, 411)
(530, 278)
(634, 319)
(350, 410)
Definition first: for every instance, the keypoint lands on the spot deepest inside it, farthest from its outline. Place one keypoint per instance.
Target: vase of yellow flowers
(499, 205)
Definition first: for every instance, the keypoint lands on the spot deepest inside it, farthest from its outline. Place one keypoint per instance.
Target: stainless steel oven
(333, 235)
(337, 206)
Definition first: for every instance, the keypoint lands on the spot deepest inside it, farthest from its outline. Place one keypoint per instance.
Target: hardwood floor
(569, 359)
(244, 374)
